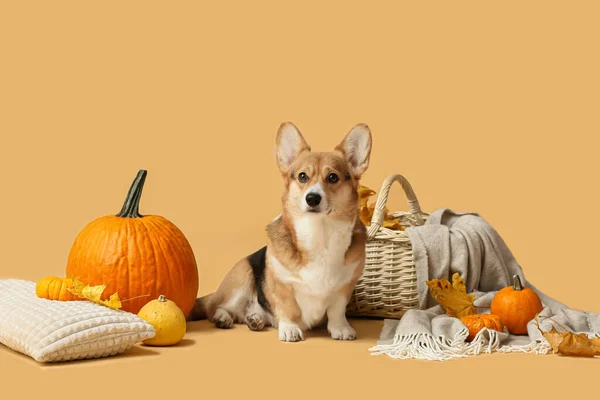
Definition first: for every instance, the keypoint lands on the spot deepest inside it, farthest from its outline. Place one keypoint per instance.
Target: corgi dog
(315, 251)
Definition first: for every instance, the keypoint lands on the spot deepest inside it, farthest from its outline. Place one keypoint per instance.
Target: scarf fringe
(425, 346)
(531, 348)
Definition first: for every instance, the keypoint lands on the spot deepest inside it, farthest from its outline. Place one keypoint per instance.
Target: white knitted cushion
(50, 331)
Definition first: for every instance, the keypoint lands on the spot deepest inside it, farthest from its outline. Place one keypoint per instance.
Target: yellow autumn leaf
(113, 301)
(363, 195)
(365, 214)
(391, 222)
(366, 210)
(458, 283)
(94, 294)
(452, 296)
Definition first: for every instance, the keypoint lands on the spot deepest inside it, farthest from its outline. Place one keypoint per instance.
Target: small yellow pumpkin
(55, 288)
(168, 321)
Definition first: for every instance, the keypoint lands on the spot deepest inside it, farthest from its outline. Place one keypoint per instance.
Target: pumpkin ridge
(41, 287)
(180, 253)
(179, 250)
(155, 251)
(137, 259)
(137, 262)
(476, 322)
(84, 241)
(184, 243)
(52, 288)
(101, 247)
(123, 264)
(98, 247)
(166, 248)
(185, 251)
(169, 250)
(73, 257)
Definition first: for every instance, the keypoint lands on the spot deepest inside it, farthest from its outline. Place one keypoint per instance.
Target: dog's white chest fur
(319, 282)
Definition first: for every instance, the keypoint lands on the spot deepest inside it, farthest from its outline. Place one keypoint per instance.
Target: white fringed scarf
(467, 244)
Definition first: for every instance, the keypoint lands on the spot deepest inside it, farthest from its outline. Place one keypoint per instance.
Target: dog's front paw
(342, 332)
(223, 319)
(290, 332)
(255, 322)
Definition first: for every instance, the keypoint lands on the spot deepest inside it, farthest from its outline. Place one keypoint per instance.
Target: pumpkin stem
(517, 285)
(162, 298)
(136, 297)
(131, 206)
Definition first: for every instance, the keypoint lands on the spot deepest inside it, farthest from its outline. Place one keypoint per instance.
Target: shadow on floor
(367, 329)
(136, 351)
(203, 326)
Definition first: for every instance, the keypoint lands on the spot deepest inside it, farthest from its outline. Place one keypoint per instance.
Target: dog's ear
(289, 145)
(356, 148)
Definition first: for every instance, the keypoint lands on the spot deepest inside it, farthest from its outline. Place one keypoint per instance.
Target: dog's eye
(302, 177)
(333, 178)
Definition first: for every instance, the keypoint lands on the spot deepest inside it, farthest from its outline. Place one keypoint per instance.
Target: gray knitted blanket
(465, 243)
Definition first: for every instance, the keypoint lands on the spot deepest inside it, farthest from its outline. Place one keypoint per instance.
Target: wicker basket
(388, 284)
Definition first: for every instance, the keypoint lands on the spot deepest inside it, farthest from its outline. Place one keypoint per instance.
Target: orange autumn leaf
(579, 345)
(596, 344)
(568, 343)
(453, 296)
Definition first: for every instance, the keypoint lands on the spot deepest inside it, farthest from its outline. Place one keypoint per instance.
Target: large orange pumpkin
(136, 255)
(516, 306)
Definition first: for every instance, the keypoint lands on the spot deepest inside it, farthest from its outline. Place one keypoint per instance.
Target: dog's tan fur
(314, 256)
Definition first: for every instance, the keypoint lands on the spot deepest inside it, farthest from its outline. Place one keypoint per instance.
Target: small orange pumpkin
(55, 288)
(137, 256)
(516, 306)
(476, 322)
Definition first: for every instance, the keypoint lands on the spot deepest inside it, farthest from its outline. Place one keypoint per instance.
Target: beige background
(487, 107)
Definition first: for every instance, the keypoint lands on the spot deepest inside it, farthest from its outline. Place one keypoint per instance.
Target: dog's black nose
(313, 199)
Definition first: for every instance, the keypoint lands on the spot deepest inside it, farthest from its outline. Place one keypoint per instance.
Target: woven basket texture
(388, 284)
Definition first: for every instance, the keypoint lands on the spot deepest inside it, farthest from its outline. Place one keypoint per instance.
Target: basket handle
(379, 211)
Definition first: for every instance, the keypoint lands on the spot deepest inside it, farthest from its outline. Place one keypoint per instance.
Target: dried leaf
(392, 223)
(578, 345)
(453, 297)
(596, 344)
(365, 214)
(553, 337)
(363, 195)
(365, 211)
(568, 343)
(94, 293)
(113, 301)
(458, 283)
